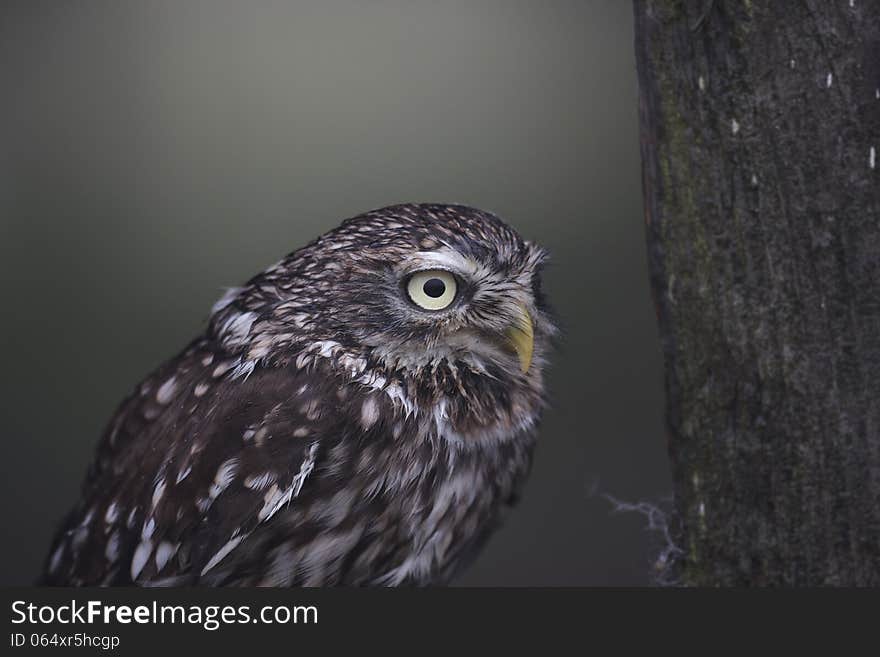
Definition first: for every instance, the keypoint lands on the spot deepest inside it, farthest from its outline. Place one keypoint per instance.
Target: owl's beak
(521, 336)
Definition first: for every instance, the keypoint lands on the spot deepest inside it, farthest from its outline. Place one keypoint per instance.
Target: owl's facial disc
(467, 309)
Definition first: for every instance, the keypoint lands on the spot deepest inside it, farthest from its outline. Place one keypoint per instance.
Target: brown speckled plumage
(326, 429)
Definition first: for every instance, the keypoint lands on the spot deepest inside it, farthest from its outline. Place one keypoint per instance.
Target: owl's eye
(433, 289)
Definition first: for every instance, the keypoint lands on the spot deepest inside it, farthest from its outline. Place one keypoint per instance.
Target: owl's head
(401, 291)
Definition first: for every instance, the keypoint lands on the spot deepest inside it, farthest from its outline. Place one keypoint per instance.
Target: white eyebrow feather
(443, 259)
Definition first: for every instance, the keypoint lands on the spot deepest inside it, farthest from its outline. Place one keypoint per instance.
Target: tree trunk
(760, 125)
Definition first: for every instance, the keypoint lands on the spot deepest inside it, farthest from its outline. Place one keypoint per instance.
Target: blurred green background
(152, 153)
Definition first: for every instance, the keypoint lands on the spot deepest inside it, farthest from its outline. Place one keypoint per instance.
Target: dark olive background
(154, 152)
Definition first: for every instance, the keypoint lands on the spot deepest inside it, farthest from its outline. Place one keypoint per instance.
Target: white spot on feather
(311, 409)
(236, 328)
(164, 552)
(325, 348)
(244, 369)
(259, 482)
(200, 389)
(88, 519)
(158, 492)
(148, 529)
(872, 158)
(111, 514)
(221, 553)
(276, 498)
(829, 80)
(183, 474)
(398, 396)
(78, 539)
(225, 475)
(441, 419)
(223, 368)
(369, 413)
(140, 558)
(166, 391)
(111, 550)
(55, 561)
(734, 126)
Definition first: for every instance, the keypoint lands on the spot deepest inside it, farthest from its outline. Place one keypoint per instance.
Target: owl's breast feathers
(216, 471)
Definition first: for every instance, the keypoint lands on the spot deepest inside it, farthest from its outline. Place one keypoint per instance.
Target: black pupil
(434, 288)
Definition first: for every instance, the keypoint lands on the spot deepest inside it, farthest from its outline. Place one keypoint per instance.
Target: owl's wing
(195, 460)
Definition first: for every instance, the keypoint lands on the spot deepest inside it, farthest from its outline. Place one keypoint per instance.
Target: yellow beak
(521, 336)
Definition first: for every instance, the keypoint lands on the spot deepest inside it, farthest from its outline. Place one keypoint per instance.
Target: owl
(361, 413)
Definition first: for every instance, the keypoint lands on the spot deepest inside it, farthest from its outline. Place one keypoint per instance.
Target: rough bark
(760, 128)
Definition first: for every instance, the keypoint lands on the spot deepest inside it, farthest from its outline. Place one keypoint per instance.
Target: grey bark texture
(760, 129)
